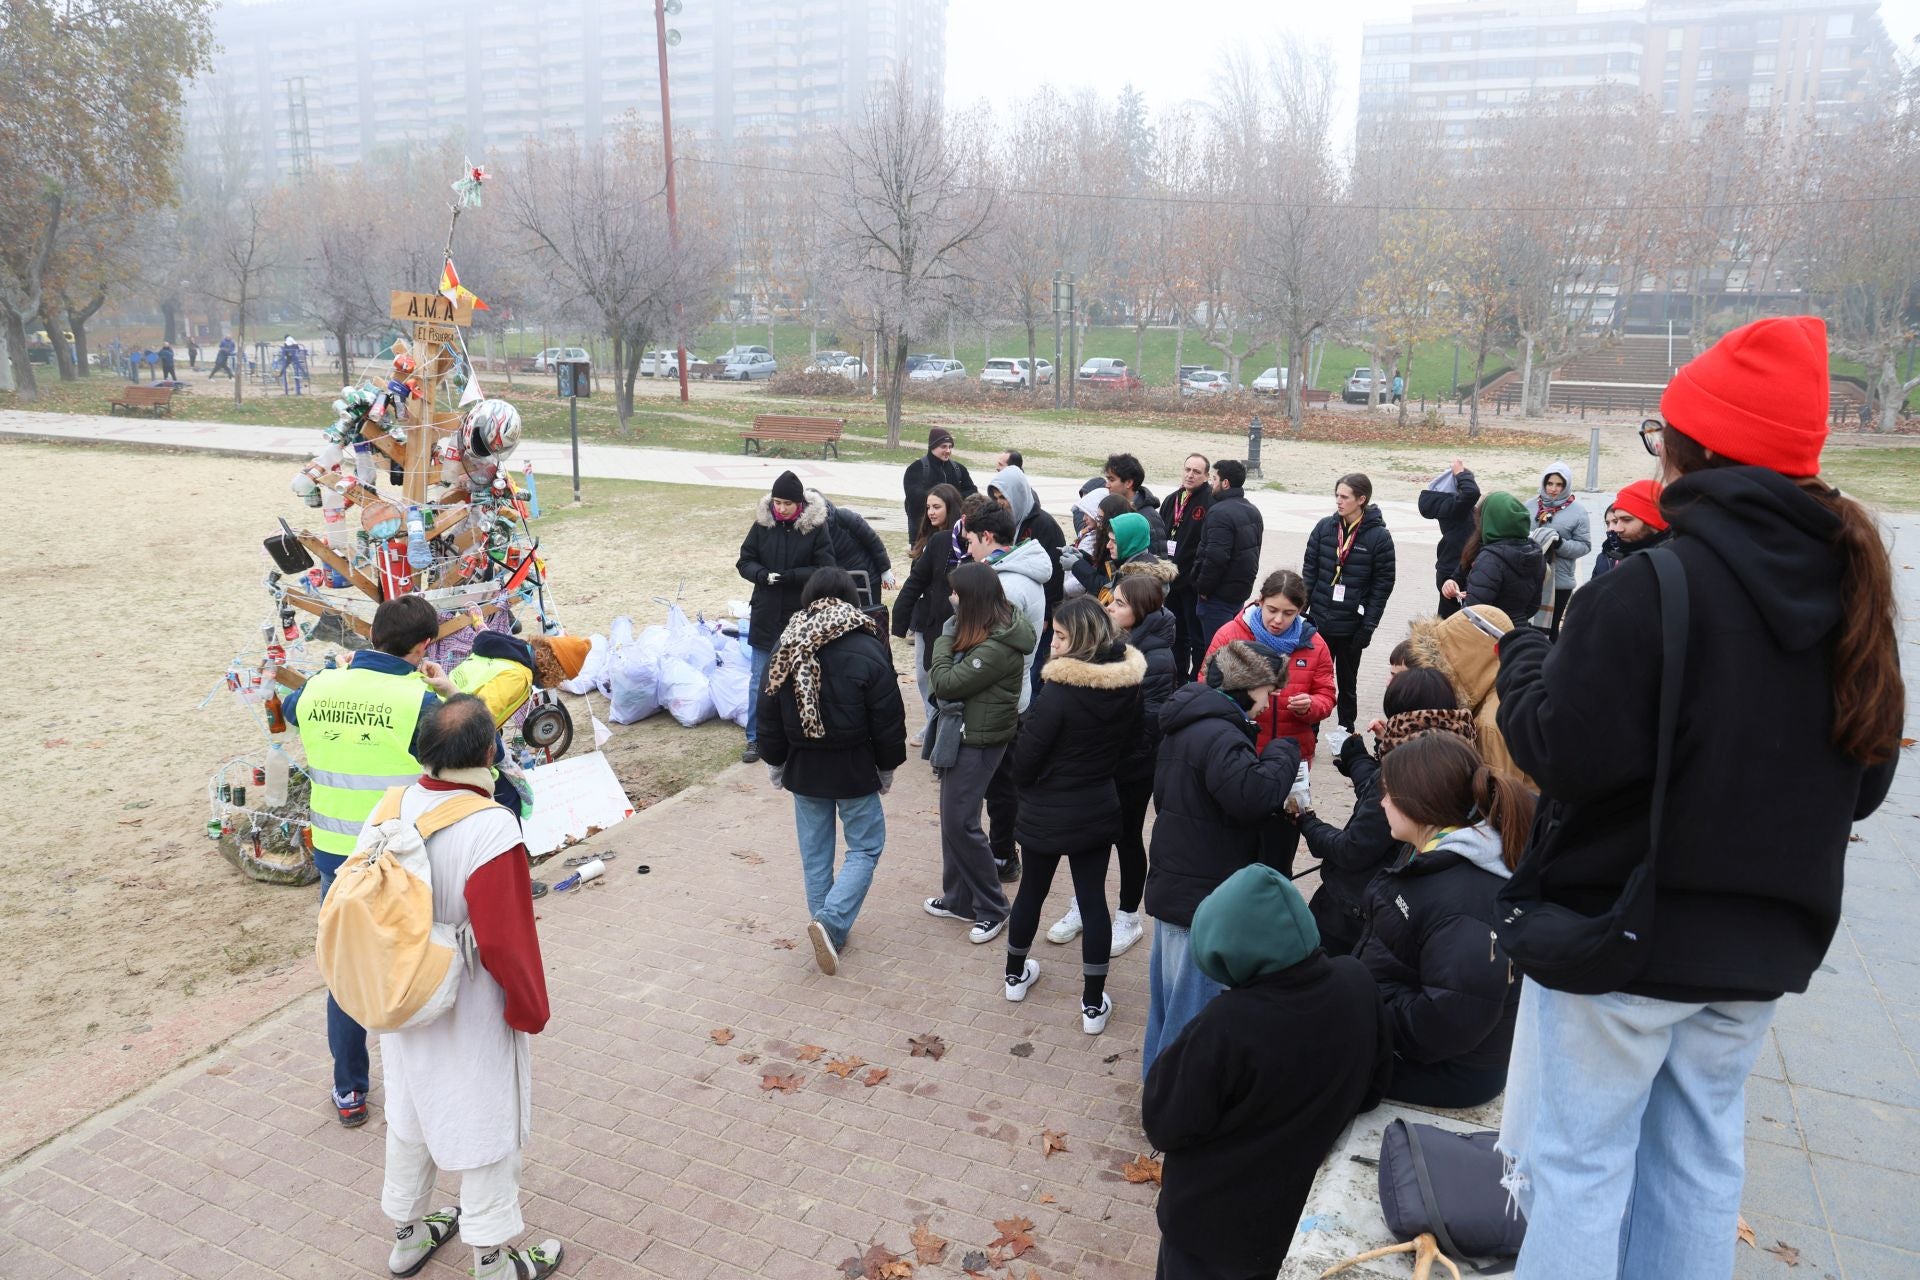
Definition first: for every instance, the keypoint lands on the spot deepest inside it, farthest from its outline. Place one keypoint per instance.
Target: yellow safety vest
(357, 727)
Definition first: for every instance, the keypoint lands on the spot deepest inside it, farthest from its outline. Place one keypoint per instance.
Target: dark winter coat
(1761, 803)
(1077, 729)
(856, 547)
(1184, 524)
(793, 549)
(1449, 989)
(1032, 522)
(923, 607)
(865, 722)
(1508, 575)
(1153, 637)
(1146, 562)
(1367, 576)
(989, 678)
(1250, 1097)
(1309, 671)
(1211, 794)
(1228, 559)
(921, 475)
(1614, 549)
(1149, 506)
(1352, 856)
(1454, 513)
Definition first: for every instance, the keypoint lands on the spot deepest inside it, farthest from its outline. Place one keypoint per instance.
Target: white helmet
(493, 429)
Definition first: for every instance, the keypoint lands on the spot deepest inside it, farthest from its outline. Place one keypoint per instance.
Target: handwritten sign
(571, 797)
(428, 308)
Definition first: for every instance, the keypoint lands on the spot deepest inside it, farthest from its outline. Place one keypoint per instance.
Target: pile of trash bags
(694, 669)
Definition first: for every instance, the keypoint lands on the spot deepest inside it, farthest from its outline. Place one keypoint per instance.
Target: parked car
(545, 360)
(1186, 369)
(1104, 372)
(665, 364)
(827, 359)
(1270, 383)
(1206, 382)
(1014, 373)
(752, 366)
(1359, 387)
(914, 362)
(850, 367)
(734, 353)
(937, 370)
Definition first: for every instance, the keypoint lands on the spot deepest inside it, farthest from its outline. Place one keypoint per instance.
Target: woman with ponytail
(921, 609)
(1625, 1111)
(1428, 940)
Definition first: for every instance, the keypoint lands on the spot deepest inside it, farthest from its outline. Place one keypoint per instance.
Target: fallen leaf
(1013, 1236)
(927, 1247)
(721, 1035)
(751, 859)
(50, 743)
(1906, 742)
(1141, 1169)
(1022, 1050)
(1046, 1197)
(785, 944)
(1052, 1140)
(1744, 1233)
(809, 1053)
(749, 1057)
(927, 1046)
(844, 1067)
(1856, 838)
(1785, 1252)
(785, 1082)
(225, 1068)
(882, 1263)
(975, 1262)
(874, 1077)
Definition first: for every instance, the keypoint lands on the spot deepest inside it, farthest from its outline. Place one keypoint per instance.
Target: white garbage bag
(730, 693)
(633, 677)
(593, 670)
(685, 691)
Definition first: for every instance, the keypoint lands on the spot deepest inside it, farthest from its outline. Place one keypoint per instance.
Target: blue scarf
(1283, 644)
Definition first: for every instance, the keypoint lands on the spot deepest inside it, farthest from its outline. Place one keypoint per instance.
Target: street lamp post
(661, 8)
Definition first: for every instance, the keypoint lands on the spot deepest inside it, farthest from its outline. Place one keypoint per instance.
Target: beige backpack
(388, 965)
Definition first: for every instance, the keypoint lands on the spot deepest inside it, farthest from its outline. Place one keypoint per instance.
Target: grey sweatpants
(969, 882)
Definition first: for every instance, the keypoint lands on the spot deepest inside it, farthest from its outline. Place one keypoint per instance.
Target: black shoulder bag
(1591, 955)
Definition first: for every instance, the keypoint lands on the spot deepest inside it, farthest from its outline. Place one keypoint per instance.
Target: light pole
(663, 38)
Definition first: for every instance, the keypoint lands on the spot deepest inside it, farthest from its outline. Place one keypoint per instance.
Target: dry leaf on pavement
(1785, 1252)
(882, 1263)
(975, 1263)
(927, 1247)
(874, 1077)
(1052, 1140)
(1014, 1236)
(785, 1082)
(844, 1067)
(1141, 1169)
(721, 1035)
(927, 1046)
(785, 944)
(1045, 1197)
(1744, 1233)
(749, 1058)
(809, 1052)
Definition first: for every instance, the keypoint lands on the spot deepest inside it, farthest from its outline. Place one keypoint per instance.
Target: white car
(1013, 373)
(827, 359)
(938, 371)
(1270, 383)
(664, 364)
(750, 367)
(852, 368)
(545, 360)
(1206, 382)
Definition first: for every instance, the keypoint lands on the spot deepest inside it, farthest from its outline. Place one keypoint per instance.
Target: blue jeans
(835, 900)
(346, 1039)
(1624, 1131)
(1176, 990)
(758, 681)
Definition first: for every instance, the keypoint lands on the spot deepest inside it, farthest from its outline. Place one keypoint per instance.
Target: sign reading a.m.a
(429, 308)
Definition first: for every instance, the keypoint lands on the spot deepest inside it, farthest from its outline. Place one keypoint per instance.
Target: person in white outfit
(460, 1088)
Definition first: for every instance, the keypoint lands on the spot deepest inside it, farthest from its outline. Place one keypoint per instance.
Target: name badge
(1173, 546)
(1339, 593)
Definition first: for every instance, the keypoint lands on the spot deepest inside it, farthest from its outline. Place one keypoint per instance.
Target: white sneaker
(985, 931)
(1127, 930)
(938, 907)
(917, 741)
(1017, 988)
(1067, 927)
(824, 953)
(1093, 1023)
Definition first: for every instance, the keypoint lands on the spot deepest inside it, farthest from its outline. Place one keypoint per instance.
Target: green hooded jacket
(987, 678)
(1255, 924)
(1131, 534)
(1505, 517)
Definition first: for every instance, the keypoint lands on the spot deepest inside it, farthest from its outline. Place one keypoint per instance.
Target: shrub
(813, 384)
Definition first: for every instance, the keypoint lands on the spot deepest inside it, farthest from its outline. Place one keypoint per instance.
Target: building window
(1459, 42)
(1835, 55)
(1840, 24)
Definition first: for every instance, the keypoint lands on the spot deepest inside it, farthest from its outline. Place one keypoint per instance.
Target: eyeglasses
(1650, 435)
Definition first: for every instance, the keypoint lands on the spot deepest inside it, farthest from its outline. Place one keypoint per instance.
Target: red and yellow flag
(453, 291)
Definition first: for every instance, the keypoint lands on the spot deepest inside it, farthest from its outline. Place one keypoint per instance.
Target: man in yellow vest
(357, 724)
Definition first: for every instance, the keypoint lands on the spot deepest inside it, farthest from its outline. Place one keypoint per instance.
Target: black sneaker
(1009, 870)
(751, 755)
(938, 907)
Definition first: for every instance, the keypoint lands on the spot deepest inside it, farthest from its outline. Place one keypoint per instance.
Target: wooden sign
(428, 308)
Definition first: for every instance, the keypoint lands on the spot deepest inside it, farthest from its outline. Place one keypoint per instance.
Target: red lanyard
(1346, 549)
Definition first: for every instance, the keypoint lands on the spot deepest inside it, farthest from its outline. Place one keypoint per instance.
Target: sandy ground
(117, 915)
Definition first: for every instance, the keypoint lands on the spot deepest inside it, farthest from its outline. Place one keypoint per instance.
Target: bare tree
(341, 281)
(905, 220)
(247, 248)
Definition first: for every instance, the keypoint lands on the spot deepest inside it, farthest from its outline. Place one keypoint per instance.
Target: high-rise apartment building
(1465, 61)
(335, 82)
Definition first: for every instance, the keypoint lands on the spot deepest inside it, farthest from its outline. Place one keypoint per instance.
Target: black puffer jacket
(1072, 738)
(1045, 530)
(856, 547)
(1211, 794)
(1149, 506)
(1367, 576)
(793, 549)
(1755, 847)
(1228, 558)
(1185, 523)
(1508, 575)
(1454, 513)
(865, 722)
(1352, 856)
(1153, 637)
(1449, 990)
(923, 607)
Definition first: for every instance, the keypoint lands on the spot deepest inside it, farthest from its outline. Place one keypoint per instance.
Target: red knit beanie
(1641, 500)
(1758, 396)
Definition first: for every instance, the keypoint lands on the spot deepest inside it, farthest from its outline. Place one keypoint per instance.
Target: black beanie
(937, 437)
(788, 488)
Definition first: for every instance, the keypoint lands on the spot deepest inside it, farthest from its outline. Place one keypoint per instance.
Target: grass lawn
(1885, 478)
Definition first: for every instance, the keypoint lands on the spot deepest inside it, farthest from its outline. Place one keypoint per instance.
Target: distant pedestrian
(1399, 388)
(166, 361)
(222, 360)
(936, 467)
(193, 353)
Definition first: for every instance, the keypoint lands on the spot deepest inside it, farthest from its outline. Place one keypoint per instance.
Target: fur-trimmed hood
(1460, 651)
(1151, 565)
(813, 514)
(1123, 672)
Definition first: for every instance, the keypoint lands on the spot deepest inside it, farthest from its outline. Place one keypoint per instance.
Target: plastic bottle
(363, 468)
(419, 554)
(279, 770)
(276, 715)
(533, 491)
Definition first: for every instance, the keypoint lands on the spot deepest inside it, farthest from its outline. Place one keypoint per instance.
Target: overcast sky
(1168, 51)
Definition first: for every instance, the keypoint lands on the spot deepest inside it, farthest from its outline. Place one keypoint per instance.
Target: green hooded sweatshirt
(1131, 534)
(1506, 517)
(1255, 924)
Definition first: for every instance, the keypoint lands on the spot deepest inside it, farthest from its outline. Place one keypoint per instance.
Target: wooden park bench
(824, 432)
(154, 400)
(1313, 399)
